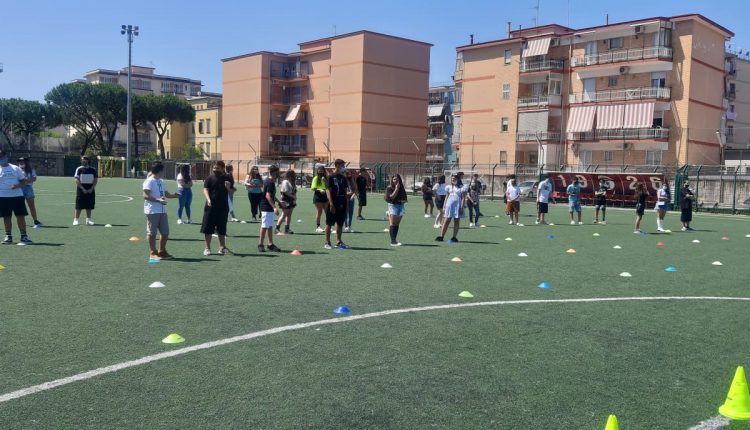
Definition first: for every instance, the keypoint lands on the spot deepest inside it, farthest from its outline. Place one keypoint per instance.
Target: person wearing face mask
(12, 181)
(336, 192)
(216, 191)
(28, 190)
(686, 206)
(86, 179)
(663, 197)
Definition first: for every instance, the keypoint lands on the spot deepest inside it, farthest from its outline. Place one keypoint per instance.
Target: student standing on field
(574, 200)
(12, 202)
(351, 194)
(155, 197)
(361, 192)
(513, 207)
(268, 210)
(641, 196)
(216, 191)
(543, 194)
(288, 201)
(663, 199)
(686, 206)
(28, 189)
(254, 187)
(427, 194)
(395, 195)
(232, 189)
(319, 185)
(86, 180)
(185, 190)
(600, 197)
(336, 214)
(453, 208)
(440, 193)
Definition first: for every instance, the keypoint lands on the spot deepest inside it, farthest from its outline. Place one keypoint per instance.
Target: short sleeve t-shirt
(86, 176)
(318, 184)
(268, 187)
(513, 193)
(440, 189)
(157, 189)
(11, 175)
(574, 192)
(602, 189)
(217, 191)
(361, 182)
(660, 194)
(685, 202)
(338, 186)
(544, 191)
(180, 178)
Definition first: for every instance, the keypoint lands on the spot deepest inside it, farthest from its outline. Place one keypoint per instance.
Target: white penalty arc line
(226, 341)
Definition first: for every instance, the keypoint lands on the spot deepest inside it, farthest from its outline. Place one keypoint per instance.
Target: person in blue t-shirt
(574, 200)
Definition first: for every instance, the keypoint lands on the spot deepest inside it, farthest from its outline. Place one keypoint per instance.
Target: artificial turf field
(78, 300)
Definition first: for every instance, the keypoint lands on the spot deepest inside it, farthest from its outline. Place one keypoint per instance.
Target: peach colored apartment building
(358, 96)
(645, 92)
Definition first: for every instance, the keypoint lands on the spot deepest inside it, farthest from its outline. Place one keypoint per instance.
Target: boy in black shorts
(601, 201)
(361, 182)
(337, 204)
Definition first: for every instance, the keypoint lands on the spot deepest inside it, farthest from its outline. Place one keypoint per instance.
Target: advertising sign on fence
(621, 186)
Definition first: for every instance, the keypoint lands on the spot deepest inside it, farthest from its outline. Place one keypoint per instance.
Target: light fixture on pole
(131, 31)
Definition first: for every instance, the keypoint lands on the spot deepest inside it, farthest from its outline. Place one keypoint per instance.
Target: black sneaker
(439, 239)
(361, 218)
(25, 240)
(273, 248)
(261, 248)
(8, 240)
(454, 240)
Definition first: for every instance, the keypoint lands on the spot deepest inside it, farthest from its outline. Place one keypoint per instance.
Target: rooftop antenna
(471, 39)
(509, 29)
(607, 19)
(536, 15)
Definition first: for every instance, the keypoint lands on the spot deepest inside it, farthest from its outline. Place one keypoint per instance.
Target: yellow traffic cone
(173, 338)
(611, 423)
(737, 404)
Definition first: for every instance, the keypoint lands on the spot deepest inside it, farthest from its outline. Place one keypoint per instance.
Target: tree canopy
(162, 111)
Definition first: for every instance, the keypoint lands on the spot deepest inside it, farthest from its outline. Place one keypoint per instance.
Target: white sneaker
(572, 223)
(426, 216)
(351, 230)
(471, 225)
(214, 235)
(395, 243)
(684, 229)
(189, 221)
(327, 246)
(519, 225)
(179, 221)
(319, 230)
(206, 251)
(660, 230)
(347, 229)
(89, 221)
(580, 222)
(636, 232)
(75, 221)
(536, 222)
(510, 222)
(235, 220)
(604, 223)
(436, 226)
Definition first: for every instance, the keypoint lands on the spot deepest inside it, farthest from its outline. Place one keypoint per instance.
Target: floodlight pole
(130, 31)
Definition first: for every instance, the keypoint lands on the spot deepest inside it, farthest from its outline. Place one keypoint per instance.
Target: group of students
(16, 193)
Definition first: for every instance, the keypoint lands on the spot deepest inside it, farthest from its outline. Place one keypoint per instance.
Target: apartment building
(649, 91)
(440, 125)
(204, 133)
(359, 96)
(144, 81)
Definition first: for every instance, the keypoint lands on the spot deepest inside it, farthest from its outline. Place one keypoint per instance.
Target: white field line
(713, 423)
(125, 198)
(252, 335)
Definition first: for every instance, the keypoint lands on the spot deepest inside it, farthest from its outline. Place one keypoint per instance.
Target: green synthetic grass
(79, 299)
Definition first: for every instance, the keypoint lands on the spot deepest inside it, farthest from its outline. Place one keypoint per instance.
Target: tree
(7, 116)
(31, 117)
(94, 111)
(138, 118)
(162, 111)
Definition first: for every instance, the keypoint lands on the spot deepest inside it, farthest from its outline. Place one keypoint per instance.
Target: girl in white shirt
(288, 201)
(440, 193)
(663, 197)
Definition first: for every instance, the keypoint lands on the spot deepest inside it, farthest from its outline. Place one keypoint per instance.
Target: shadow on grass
(190, 260)
(184, 240)
(47, 244)
(54, 226)
(113, 225)
(258, 254)
(420, 245)
(475, 242)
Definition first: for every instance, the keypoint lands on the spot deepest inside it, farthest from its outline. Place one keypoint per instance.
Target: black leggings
(255, 199)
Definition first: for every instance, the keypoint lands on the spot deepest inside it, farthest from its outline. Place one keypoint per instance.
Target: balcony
(289, 100)
(731, 116)
(622, 95)
(435, 157)
(622, 134)
(731, 95)
(539, 101)
(288, 125)
(458, 75)
(532, 136)
(436, 139)
(540, 66)
(623, 55)
(456, 107)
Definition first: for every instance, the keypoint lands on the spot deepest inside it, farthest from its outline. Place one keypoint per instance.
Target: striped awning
(537, 47)
(639, 115)
(609, 116)
(581, 118)
(292, 114)
(435, 110)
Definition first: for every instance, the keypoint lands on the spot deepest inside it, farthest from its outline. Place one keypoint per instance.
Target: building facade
(358, 96)
(144, 81)
(650, 92)
(203, 134)
(440, 125)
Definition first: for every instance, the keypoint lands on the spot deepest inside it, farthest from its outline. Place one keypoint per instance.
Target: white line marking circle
(252, 335)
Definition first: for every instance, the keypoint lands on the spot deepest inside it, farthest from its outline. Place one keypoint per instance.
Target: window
(658, 119)
(537, 89)
(731, 108)
(555, 87)
(200, 127)
(168, 133)
(584, 159)
(506, 91)
(503, 157)
(732, 87)
(663, 37)
(504, 124)
(659, 79)
(533, 158)
(608, 155)
(612, 81)
(208, 126)
(508, 56)
(653, 158)
(615, 43)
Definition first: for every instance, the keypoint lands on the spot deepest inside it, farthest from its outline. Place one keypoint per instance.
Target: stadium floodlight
(131, 31)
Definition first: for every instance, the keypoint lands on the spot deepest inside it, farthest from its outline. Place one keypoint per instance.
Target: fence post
(721, 185)
(734, 190)
(698, 180)
(492, 188)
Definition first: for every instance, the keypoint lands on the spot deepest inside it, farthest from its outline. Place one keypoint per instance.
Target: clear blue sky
(45, 43)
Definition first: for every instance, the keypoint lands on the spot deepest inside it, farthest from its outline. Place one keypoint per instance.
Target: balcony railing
(532, 136)
(288, 75)
(289, 100)
(537, 66)
(539, 101)
(457, 107)
(618, 56)
(287, 124)
(622, 95)
(435, 157)
(458, 75)
(622, 134)
(731, 116)
(731, 95)
(436, 138)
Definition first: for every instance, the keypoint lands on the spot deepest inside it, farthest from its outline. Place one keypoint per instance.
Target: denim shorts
(397, 209)
(28, 191)
(574, 207)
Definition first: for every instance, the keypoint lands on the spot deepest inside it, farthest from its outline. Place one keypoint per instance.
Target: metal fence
(717, 188)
